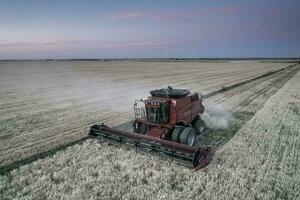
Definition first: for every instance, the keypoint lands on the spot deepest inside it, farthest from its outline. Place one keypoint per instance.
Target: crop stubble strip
(243, 116)
(54, 139)
(65, 119)
(282, 158)
(41, 155)
(46, 137)
(4, 169)
(240, 116)
(240, 81)
(247, 81)
(249, 86)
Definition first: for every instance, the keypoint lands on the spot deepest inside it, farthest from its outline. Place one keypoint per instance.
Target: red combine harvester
(166, 123)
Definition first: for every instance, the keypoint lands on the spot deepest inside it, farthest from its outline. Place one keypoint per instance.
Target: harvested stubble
(260, 162)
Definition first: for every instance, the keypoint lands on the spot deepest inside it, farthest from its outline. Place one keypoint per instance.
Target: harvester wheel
(187, 136)
(176, 132)
(142, 129)
(199, 126)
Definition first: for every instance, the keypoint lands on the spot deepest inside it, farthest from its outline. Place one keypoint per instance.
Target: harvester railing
(139, 110)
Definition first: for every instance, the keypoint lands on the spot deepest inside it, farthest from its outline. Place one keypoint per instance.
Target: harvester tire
(199, 126)
(187, 136)
(142, 129)
(176, 132)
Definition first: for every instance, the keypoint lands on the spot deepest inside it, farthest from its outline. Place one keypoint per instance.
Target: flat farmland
(47, 105)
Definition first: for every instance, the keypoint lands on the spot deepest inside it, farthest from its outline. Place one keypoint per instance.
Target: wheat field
(49, 104)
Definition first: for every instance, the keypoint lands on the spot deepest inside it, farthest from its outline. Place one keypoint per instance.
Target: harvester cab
(166, 123)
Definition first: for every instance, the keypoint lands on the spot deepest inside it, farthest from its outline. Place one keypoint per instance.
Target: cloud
(128, 15)
(99, 44)
(255, 25)
(4, 44)
(143, 44)
(181, 15)
(137, 15)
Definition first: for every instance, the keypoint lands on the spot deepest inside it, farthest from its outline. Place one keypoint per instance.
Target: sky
(40, 29)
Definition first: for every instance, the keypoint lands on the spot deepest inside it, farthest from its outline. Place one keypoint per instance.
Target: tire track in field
(250, 86)
(245, 111)
(52, 139)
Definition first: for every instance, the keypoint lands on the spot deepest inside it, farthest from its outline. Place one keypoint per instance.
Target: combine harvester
(166, 123)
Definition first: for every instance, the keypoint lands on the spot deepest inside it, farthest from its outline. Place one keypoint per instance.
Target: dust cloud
(216, 116)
